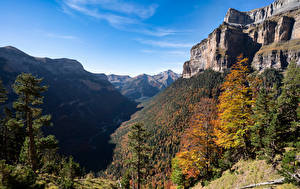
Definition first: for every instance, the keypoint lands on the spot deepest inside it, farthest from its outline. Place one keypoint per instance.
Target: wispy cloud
(119, 14)
(112, 19)
(171, 53)
(118, 6)
(52, 35)
(165, 44)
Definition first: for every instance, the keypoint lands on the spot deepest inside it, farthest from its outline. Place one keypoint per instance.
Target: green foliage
(31, 157)
(288, 103)
(29, 89)
(139, 152)
(68, 171)
(263, 132)
(125, 182)
(290, 165)
(15, 177)
(177, 176)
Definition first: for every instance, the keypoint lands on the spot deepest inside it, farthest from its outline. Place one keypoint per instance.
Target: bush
(15, 177)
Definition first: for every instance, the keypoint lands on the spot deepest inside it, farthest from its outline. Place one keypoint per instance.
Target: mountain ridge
(86, 108)
(143, 86)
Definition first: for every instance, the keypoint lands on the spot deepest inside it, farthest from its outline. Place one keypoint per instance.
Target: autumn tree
(234, 117)
(199, 150)
(139, 150)
(29, 90)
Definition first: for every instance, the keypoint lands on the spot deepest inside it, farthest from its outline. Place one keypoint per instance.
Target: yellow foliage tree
(234, 109)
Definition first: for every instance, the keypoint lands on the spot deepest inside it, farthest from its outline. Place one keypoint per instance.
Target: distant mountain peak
(143, 86)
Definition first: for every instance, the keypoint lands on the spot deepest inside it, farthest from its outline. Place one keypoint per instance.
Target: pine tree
(234, 118)
(29, 89)
(264, 130)
(139, 152)
(288, 103)
(3, 93)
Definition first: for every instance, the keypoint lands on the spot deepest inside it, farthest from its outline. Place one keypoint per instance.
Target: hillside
(166, 116)
(86, 108)
(142, 87)
(245, 173)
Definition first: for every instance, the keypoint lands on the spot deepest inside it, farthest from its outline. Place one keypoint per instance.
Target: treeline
(28, 159)
(257, 115)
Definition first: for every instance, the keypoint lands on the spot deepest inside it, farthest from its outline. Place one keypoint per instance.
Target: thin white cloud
(170, 53)
(114, 20)
(52, 35)
(119, 6)
(165, 44)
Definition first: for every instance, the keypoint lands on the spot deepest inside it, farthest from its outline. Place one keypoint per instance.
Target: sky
(124, 37)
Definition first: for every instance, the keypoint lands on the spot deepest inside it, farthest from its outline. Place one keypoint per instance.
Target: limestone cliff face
(269, 37)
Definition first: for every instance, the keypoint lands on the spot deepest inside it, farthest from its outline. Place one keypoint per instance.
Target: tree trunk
(32, 153)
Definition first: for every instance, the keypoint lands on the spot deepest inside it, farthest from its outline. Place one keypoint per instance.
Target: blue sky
(127, 37)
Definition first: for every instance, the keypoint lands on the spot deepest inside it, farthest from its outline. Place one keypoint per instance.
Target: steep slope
(166, 116)
(143, 86)
(86, 108)
(269, 37)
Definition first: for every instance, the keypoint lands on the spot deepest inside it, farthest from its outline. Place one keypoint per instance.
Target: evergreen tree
(263, 131)
(139, 152)
(29, 89)
(288, 103)
(3, 93)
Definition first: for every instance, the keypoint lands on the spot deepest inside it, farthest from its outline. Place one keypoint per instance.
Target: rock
(268, 36)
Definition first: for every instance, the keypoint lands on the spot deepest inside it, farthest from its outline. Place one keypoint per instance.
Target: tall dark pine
(288, 103)
(3, 98)
(29, 89)
(3, 93)
(139, 152)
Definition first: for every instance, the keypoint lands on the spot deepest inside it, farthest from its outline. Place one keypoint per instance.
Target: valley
(230, 120)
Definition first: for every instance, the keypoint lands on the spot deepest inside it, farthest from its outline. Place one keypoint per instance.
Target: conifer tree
(264, 130)
(288, 103)
(139, 152)
(3, 93)
(234, 118)
(29, 90)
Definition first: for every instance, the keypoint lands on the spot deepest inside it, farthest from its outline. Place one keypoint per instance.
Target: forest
(201, 127)
(189, 134)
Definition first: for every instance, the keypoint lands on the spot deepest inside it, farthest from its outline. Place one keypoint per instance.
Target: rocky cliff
(268, 36)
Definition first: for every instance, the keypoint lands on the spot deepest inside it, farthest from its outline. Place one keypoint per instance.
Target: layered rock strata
(269, 37)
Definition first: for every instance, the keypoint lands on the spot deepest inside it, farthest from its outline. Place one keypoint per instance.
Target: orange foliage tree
(198, 146)
(234, 109)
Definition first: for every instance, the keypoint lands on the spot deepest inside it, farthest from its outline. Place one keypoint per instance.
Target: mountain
(86, 108)
(268, 36)
(269, 42)
(143, 86)
(166, 116)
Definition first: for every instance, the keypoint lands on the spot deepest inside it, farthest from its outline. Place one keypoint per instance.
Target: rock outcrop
(269, 37)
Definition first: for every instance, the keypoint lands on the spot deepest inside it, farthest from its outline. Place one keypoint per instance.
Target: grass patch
(245, 173)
